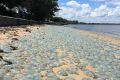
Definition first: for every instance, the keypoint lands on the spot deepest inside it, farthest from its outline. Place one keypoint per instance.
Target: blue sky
(100, 11)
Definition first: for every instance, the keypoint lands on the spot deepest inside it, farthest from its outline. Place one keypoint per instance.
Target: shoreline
(104, 37)
(8, 33)
(109, 38)
(57, 52)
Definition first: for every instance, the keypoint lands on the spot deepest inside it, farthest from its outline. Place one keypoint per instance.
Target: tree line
(39, 10)
(61, 20)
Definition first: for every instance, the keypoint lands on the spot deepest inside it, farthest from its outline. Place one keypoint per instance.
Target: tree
(40, 10)
(6, 7)
(63, 21)
(11, 3)
(5, 11)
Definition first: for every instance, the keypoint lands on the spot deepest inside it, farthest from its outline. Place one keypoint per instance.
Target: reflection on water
(108, 29)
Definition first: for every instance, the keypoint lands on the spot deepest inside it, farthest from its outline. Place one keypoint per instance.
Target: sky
(91, 11)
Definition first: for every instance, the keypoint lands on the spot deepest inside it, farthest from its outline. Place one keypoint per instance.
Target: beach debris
(14, 48)
(1, 57)
(15, 39)
(8, 62)
(28, 30)
(1, 51)
(15, 33)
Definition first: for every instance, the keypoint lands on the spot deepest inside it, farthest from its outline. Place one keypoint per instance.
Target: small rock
(1, 51)
(14, 48)
(15, 39)
(1, 57)
(28, 30)
(82, 66)
(15, 34)
(8, 62)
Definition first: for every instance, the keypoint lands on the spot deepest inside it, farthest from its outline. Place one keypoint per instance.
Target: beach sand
(100, 36)
(7, 33)
(68, 64)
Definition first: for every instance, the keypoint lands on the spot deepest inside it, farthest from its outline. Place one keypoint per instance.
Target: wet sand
(100, 36)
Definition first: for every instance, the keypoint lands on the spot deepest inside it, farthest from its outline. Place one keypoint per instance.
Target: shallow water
(107, 29)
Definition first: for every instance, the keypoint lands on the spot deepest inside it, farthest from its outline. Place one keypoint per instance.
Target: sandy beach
(46, 52)
(107, 38)
(7, 33)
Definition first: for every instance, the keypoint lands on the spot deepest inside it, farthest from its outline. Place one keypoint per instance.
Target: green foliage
(64, 21)
(43, 9)
(58, 19)
(39, 10)
(11, 3)
(4, 11)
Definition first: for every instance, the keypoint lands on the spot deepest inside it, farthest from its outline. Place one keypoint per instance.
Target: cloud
(115, 12)
(83, 11)
(109, 2)
(67, 12)
(74, 10)
(100, 12)
(73, 4)
(114, 2)
(86, 9)
(99, 0)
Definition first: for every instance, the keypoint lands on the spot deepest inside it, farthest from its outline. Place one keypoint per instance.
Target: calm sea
(113, 30)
